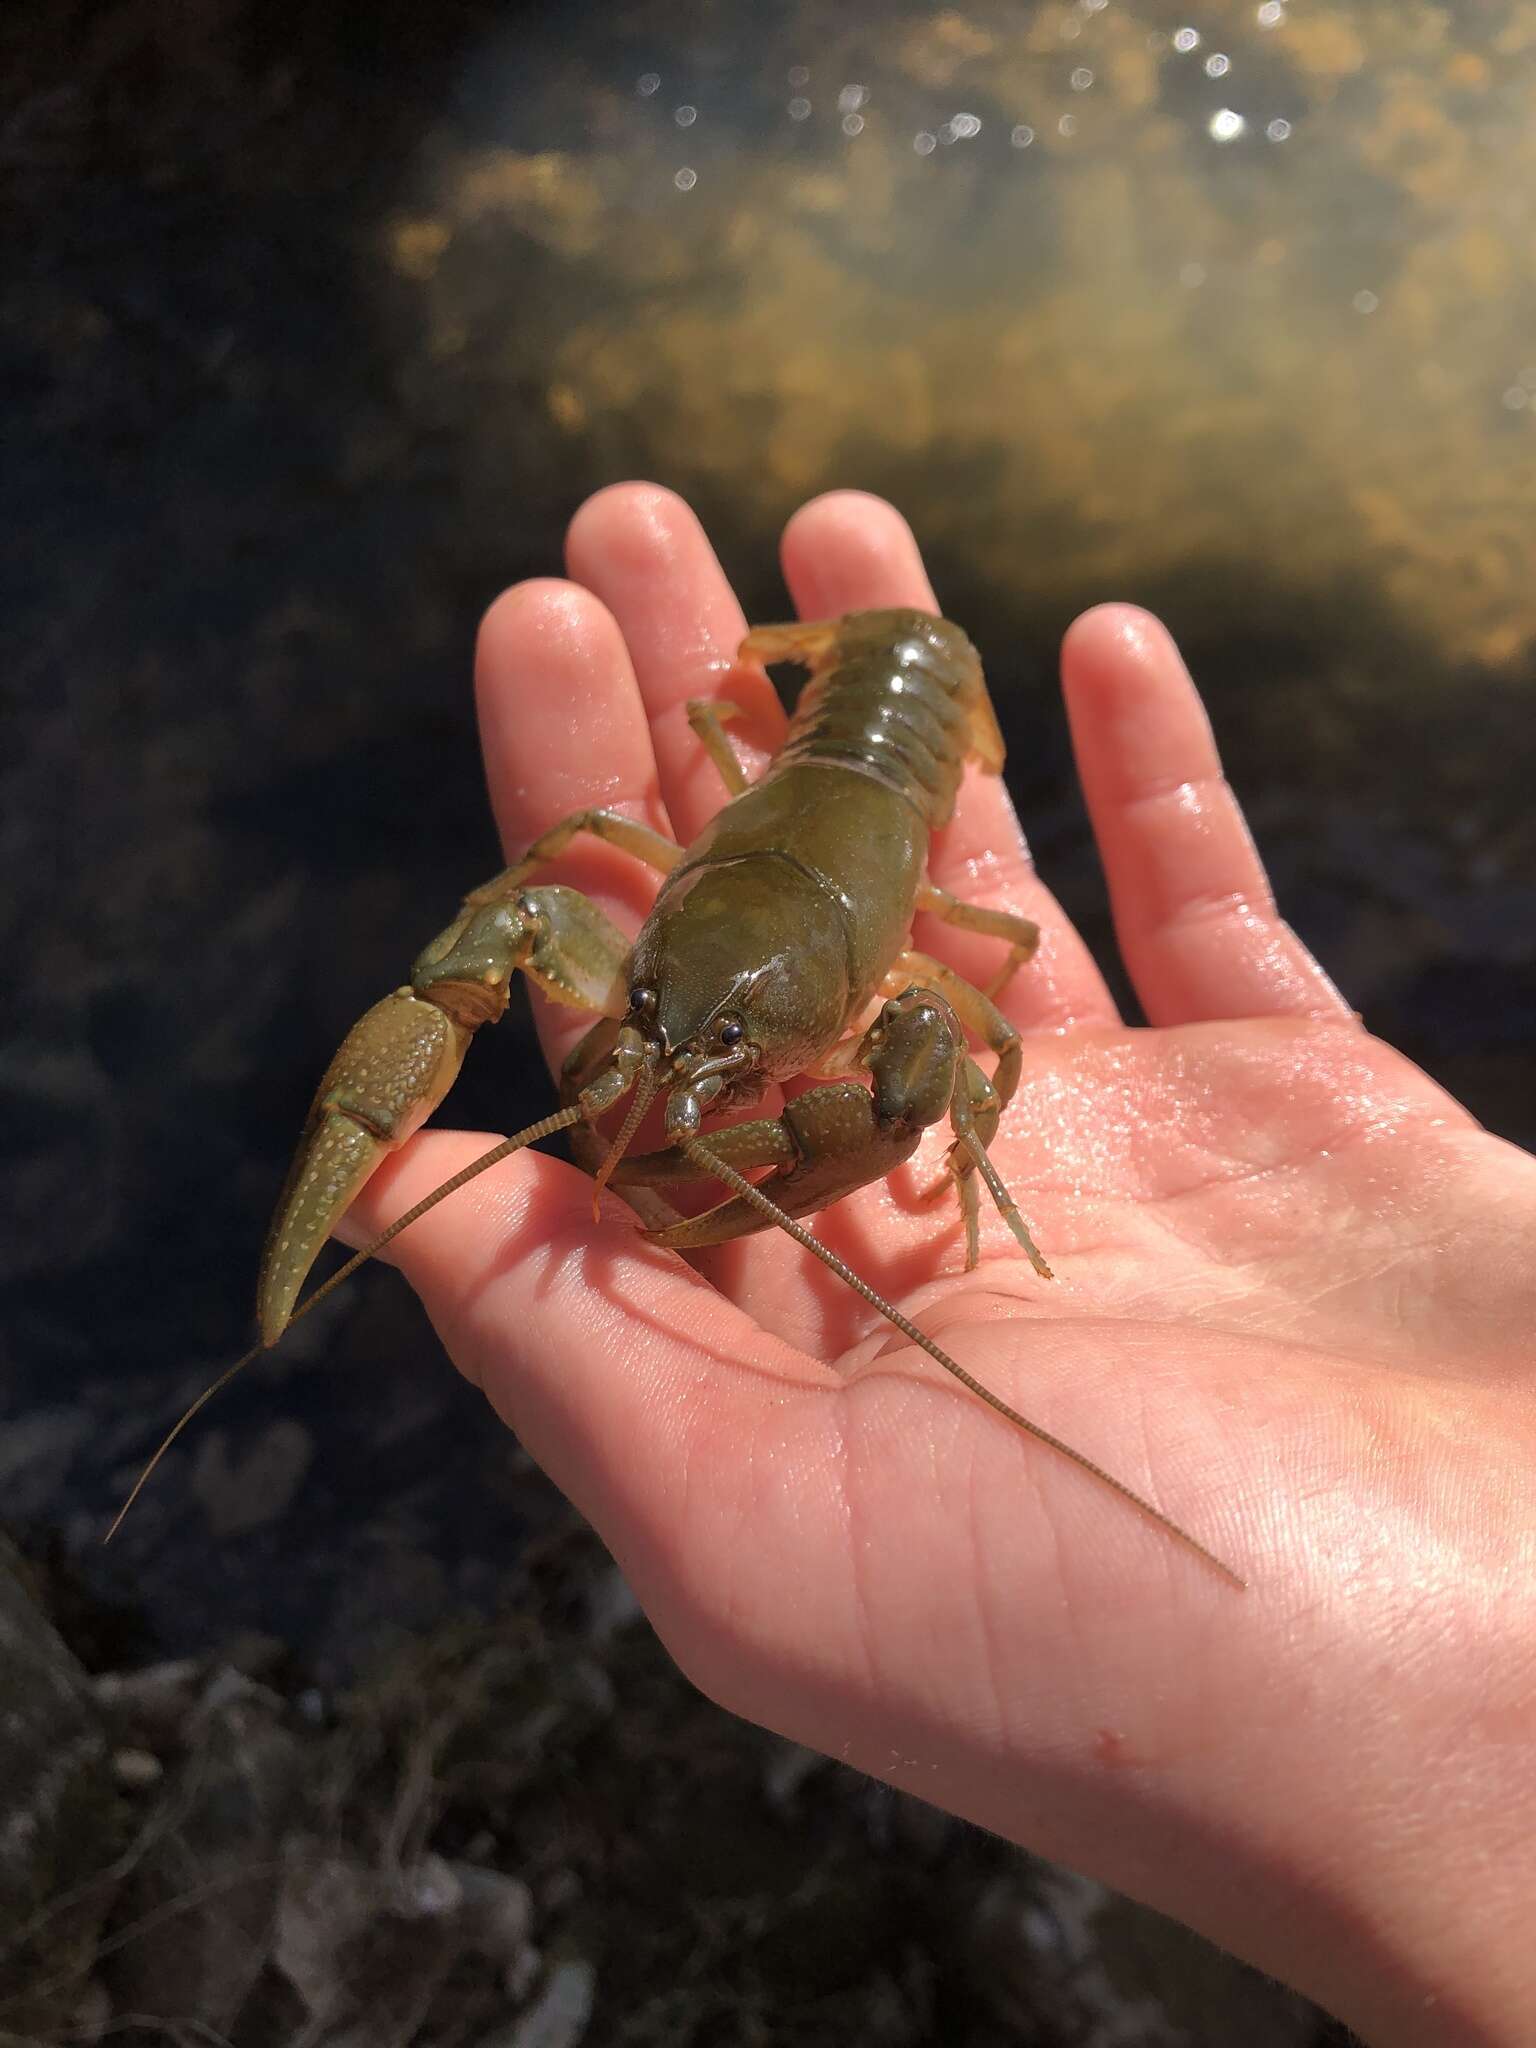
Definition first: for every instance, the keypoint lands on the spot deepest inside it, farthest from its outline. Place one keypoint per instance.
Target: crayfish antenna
(216, 1387)
(546, 1127)
(700, 1153)
(644, 1096)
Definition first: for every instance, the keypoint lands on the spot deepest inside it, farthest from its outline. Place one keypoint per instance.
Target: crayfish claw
(394, 1067)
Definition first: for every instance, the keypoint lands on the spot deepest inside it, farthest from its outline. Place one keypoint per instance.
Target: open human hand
(1294, 1306)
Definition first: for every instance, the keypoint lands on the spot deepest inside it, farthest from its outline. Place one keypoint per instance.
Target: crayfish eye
(642, 998)
(732, 1031)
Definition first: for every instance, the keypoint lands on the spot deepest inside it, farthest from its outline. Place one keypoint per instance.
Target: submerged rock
(62, 1823)
(370, 1950)
(199, 1905)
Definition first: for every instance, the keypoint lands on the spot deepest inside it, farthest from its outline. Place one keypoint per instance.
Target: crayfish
(779, 946)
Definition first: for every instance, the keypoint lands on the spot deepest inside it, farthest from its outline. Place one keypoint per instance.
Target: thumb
(637, 1387)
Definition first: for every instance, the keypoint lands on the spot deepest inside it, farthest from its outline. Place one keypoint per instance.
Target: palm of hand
(1290, 1307)
(1258, 1225)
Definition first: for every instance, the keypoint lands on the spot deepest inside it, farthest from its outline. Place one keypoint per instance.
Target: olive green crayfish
(779, 946)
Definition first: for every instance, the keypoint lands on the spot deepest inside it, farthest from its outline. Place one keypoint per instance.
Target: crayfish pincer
(779, 946)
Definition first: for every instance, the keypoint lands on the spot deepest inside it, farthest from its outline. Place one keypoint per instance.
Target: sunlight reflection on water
(1043, 274)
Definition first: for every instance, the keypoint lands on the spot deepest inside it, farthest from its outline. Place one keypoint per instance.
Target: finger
(848, 552)
(563, 728)
(1194, 915)
(644, 553)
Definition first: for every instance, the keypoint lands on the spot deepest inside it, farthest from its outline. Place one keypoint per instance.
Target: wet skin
(1294, 1303)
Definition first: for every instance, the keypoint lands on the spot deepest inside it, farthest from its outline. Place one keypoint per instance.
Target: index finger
(551, 669)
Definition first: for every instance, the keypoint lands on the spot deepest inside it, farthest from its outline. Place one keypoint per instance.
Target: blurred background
(315, 327)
